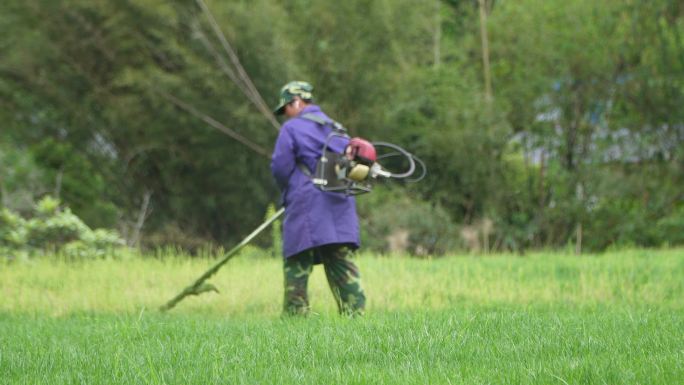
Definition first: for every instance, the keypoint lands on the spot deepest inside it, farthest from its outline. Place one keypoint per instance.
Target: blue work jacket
(312, 217)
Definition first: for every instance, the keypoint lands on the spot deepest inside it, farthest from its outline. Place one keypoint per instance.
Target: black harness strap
(323, 122)
(337, 126)
(326, 176)
(304, 169)
(315, 118)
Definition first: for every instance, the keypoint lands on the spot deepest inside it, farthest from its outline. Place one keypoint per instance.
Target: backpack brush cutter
(350, 172)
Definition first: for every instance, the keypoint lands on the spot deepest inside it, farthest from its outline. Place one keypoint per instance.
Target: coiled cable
(412, 159)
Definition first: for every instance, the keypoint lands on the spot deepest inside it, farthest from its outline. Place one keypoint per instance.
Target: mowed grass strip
(249, 286)
(544, 318)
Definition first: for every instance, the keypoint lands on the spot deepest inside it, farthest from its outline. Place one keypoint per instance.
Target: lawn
(615, 318)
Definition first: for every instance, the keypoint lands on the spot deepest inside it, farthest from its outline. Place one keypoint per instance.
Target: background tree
(118, 108)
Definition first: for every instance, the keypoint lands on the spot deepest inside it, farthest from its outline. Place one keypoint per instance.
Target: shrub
(54, 230)
(671, 227)
(12, 229)
(392, 221)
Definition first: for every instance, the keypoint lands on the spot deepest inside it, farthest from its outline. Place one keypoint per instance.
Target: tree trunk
(437, 37)
(4, 200)
(485, 49)
(578, 239)
(541, 196)
(142, 215)
(58, 183)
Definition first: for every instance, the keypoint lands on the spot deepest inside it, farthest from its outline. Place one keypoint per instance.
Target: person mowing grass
(319, 227)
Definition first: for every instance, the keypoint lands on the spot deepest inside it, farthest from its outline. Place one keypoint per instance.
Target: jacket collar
(309, 109)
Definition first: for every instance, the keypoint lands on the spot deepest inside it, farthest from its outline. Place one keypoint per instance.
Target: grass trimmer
(200, 286)
(352, 171)
(349, 173)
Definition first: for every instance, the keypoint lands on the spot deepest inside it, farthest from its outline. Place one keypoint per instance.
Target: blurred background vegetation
(544, 123)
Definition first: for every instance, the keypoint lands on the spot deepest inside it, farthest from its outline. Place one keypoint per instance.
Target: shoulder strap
(323, 121)
(305, 170)
(315, 118)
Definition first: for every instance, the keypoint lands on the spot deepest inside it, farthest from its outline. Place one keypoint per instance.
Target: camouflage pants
(342, 274)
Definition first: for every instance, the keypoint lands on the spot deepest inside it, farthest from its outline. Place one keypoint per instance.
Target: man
(319, 227)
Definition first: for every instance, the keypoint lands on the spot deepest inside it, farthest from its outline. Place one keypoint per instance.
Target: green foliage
(12, 229)
(670, 227)
(20, 178)
(393, 221)
(53, 227)
(55, 230)
(586, 105)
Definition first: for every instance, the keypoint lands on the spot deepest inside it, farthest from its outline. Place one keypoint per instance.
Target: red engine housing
(361, 150)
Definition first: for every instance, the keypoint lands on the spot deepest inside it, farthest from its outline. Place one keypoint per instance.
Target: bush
(12, 229)
(671, 227)
(52, 227)
(392, 221)
(54, 230)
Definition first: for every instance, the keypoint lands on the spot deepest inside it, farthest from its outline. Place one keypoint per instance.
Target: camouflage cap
(290, 90)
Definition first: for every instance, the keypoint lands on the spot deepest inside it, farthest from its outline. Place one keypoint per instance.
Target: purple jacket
(312, 217)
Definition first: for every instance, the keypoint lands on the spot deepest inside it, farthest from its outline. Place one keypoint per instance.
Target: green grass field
(547, 318)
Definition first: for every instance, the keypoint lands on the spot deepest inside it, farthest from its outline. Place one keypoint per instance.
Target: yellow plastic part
(358, 173)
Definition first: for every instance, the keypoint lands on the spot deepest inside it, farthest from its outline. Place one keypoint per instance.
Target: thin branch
(226, 68)
(142, 216)
(216, 124)
(236, 63)
(58, 182)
